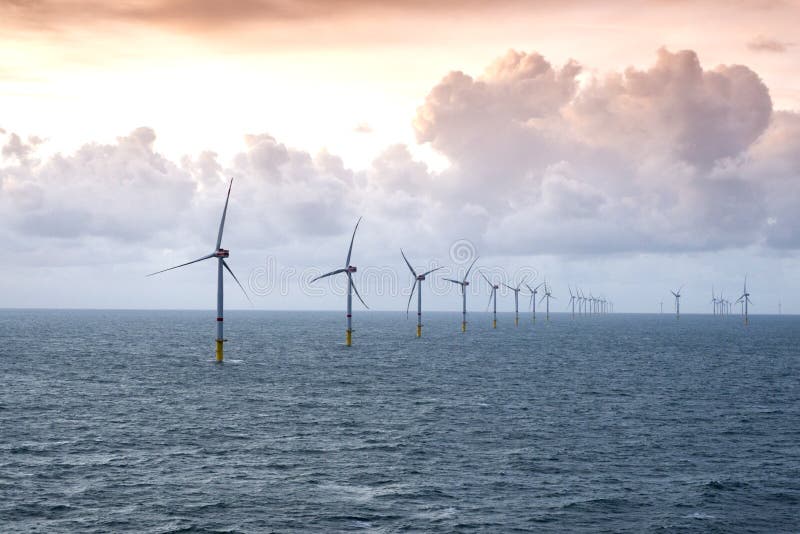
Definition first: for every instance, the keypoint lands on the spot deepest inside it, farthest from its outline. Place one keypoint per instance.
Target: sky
(625, 148)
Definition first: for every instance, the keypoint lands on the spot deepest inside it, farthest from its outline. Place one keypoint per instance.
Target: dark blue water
(119, 422)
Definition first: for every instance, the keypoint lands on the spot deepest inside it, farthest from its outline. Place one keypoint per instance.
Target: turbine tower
(677, 302)
(745, 300)
(492, 297)
(516, 291)
(418, 278)
(533, 298)
(351, 287)
(463, 284)
(219, 253)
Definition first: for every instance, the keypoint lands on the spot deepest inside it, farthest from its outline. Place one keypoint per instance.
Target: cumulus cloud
(676, 157)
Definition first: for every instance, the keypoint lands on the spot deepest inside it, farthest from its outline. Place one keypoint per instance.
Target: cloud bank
(544, 159)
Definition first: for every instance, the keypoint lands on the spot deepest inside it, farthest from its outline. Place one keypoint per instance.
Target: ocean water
(118, 421)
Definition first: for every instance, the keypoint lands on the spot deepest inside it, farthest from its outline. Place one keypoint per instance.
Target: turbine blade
(350, 250)
(529, 288)
(337, 271)
(459, 282)
(413, 287)
(355, 290)
(543, 297)
(509, 287)
(407, 263)
(487, 280)
(540, 285)
(224, 212)
(431, 271)
(183, 264)
(490, 299)
(225, 264)
(470, 268)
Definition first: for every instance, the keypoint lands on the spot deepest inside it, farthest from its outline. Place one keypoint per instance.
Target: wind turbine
(418, 278)
(714, 300)
(745, 300)
(533, 297)
(516, 291)
(677, 302)
(572, 299)
(464, 283)
(219, 253)
(547, 295)
(492, 297)
(351, 287)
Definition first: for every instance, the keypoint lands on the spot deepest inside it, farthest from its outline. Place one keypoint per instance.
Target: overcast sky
(626, 151)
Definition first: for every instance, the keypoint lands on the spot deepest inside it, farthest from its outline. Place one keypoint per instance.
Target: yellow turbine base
(516, 321)
(419, 330)
(349, 338)
(220, 350)
(464, 327)
(494, 324)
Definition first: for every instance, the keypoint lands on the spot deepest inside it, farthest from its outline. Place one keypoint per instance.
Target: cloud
(761, 43)
(363, 127)
(672, 158)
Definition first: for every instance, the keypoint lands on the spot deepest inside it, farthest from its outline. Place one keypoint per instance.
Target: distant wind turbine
(745, 300)
(516, 291)
(677, 302)
(351, 287)
(418, 279)
(714, 300)
(219, 253)
(572, 299)
(464, 283)
(492, 298)
(547, 295)
(534, 291)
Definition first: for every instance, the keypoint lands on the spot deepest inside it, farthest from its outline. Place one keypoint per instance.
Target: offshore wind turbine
(572, 299)
(533, 291)
(745, 300)
(418, 279)
(516, 291)
(463, 284)
(677, 302)
(219, 253)
(547, 295)
(714, 300)
(351, 287)
(492, 297)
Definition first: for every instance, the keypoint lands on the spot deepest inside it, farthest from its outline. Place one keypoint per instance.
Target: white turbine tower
(677, 302)
(534, 291)
(492, 297)
(219, 253)
(745, 300)
(714, 300)
(351, 287)
(516, 291)
(463, 284)
(418, 279)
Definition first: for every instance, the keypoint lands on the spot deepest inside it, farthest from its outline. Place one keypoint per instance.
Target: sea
(120, 421)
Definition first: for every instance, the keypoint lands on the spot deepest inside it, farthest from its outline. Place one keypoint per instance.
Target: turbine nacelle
(351, 269)
(421, 277)
(221, 253)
